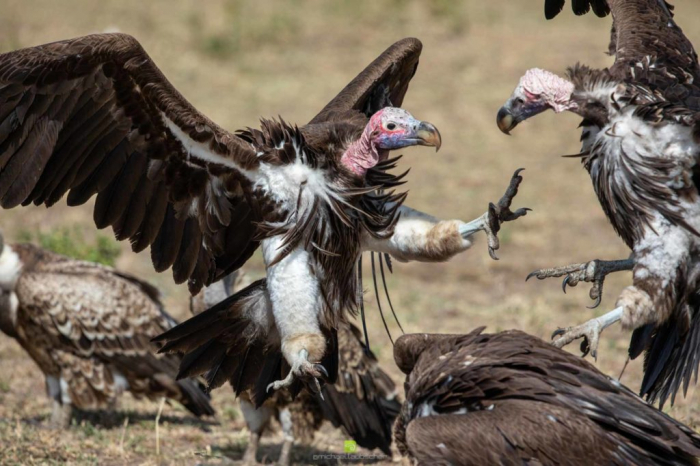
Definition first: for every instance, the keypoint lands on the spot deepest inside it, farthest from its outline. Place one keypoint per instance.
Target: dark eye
(519, 100)
(391, 126)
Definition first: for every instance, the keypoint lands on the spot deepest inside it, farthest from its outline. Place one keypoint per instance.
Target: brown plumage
(88, 328)
(95, 116)
(640, 144)
(363, 401)
(510, 398)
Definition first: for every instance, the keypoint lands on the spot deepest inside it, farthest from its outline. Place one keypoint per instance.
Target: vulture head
(537, 91)
(389, 129)
(408, 348)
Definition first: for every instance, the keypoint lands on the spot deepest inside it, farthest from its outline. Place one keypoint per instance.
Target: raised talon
(590, 332)
(593, 271)
(302, 369)
(500, 212)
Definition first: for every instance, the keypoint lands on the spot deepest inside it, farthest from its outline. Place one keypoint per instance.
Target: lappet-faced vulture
(94, 115)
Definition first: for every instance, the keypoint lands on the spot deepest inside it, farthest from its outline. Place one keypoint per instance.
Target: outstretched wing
(94, 115)
(650, 48)
(382, 83)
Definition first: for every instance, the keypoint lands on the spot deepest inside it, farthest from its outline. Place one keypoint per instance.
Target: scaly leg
(302, 369)
(589, 331)
(285, 418)
(251, 450)
(256, 420)
(594, 272)
(497, 214)
(61, 415)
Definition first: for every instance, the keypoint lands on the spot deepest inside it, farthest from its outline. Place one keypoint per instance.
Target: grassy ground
(237, 60)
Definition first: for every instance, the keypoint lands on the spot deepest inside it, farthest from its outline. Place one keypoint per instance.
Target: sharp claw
(322, 370)
(564, 283)
(492, 253)
(532, 274)
(558, 332)
(596, 303)
(517, 172)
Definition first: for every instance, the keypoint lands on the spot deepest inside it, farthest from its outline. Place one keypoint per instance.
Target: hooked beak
(506, 120)
(428, 135)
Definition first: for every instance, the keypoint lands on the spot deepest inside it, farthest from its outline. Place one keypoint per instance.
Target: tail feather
(195, 399)
(673, 355)
(363, 401)
(224, 343)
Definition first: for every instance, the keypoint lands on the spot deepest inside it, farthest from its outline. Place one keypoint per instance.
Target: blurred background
(239, 60)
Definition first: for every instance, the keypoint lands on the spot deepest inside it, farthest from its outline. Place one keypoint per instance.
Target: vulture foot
(589, 331)
(594, 272)
(497, 214)
(305, 371)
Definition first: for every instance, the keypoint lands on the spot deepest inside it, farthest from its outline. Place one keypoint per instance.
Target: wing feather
(94, 115)
(382, 83)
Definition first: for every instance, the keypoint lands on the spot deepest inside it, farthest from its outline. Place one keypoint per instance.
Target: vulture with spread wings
(94, 115)
(641, 144)
(510, 398)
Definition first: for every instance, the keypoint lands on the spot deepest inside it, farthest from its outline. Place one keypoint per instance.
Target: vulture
(95, 116)
(641, 146)
(363, 402)
(511, 399)
(88, 327)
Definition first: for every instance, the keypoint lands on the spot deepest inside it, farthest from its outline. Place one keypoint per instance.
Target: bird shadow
(300, 454)
(106, 419)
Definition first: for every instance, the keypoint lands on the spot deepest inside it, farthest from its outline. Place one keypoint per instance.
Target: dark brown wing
(553, 7)
(383, 83)
(94, 115)
(479, 373)
(651, 48)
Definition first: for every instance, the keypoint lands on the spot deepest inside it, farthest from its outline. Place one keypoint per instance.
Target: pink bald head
(388, 129)
(553, 90)
(537, 91)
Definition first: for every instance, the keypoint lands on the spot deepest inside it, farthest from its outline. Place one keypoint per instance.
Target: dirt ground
(238, 60)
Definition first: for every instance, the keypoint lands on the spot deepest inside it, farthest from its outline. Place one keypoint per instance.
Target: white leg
(476, 225)
(256, 420)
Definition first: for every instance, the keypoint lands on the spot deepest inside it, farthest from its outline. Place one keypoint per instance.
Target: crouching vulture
(510, 398)
(88, 327)
(641, 144)
(363, 402)
(94, 115)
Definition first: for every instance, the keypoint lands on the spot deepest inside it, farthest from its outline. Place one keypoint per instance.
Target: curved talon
(596, 303)
(558, 332)
(564, 283)
(322, 370)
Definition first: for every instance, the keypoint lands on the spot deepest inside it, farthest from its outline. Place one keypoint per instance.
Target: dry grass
(237, 60)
